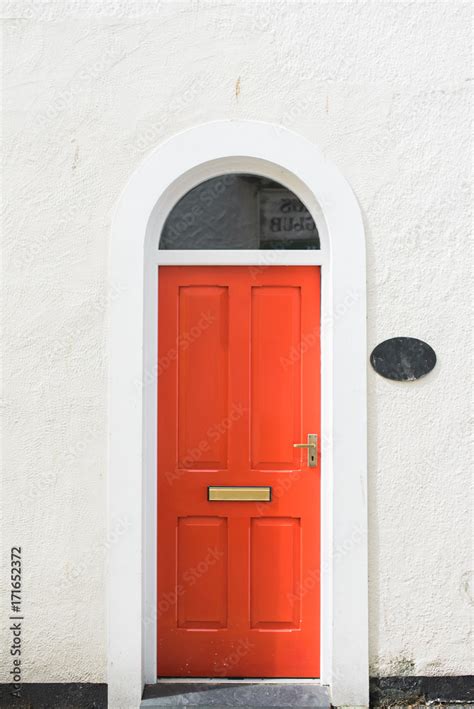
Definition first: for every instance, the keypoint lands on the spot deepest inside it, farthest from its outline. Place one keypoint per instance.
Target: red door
(238, 386)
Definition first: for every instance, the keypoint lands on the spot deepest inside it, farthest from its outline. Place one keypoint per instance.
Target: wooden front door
(238, 386)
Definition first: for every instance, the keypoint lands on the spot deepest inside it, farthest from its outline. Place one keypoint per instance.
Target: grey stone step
(216, 695)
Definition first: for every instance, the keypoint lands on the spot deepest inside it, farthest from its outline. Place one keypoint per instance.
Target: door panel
(202, 572)
(276, 324)
(274, 545)
(203, 329)
(238, 385)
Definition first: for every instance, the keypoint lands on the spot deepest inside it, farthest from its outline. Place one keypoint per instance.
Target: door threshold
(253, 680)
(228, 694)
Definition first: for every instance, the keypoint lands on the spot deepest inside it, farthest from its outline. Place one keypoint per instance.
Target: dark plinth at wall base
(395, 691)
(384, 692)
(220, 695)
(70, 695)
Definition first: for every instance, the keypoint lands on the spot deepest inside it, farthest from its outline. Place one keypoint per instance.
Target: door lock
(312, 447)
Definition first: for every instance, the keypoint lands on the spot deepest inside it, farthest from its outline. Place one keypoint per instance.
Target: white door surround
(171, 170)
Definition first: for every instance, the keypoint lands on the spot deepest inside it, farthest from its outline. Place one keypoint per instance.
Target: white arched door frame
(170, 171)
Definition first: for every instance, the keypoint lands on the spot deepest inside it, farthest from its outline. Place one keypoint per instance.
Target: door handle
(312, 446)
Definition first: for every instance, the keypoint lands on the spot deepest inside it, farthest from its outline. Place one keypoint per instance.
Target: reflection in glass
(239, 211)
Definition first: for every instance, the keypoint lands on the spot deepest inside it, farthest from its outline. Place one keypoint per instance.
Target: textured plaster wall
(89, 89)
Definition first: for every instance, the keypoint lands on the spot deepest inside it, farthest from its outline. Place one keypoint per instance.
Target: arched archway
(168, 173)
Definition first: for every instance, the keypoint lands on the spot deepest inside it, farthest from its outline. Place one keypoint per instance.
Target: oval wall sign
(403, 359)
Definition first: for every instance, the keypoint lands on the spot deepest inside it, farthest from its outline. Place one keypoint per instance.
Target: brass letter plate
(239, 494)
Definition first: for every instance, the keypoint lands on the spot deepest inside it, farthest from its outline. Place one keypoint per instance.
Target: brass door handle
(312, 446)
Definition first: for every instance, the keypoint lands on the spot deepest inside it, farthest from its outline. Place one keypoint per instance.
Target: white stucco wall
(89, 89)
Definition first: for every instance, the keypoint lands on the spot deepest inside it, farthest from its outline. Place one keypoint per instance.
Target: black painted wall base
(70, 695)
(384, 692)
(390, 691)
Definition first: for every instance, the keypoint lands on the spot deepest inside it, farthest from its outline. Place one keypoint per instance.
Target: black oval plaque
(403, 359)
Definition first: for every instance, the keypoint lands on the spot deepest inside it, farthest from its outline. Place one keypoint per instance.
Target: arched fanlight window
(239, 211)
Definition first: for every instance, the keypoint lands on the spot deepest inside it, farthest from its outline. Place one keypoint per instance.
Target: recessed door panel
(275, 375)
(275, 565)
(202, 572)
(202, 350)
